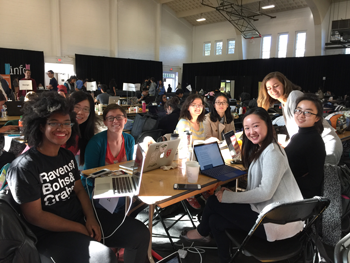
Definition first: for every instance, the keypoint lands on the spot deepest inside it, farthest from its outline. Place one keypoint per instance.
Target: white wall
(90, 27)
(211, 33)
(285, 22)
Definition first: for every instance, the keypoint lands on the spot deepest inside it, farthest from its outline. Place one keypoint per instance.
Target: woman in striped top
(191, 117)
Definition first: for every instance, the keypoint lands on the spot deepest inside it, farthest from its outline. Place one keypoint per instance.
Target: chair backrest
(307, 209)
(155, 134)
(342, 250)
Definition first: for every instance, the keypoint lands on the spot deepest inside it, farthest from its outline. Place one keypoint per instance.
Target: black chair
(155, 134)
(308, 210)
(342, 250)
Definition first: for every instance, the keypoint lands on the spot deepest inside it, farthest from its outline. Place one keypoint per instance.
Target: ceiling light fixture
(201, 18)
(267, 6)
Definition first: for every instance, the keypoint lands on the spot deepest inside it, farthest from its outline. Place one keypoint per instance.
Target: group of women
(46, 182)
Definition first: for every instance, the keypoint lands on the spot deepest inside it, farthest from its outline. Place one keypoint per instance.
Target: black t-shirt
(53, 83)
(306, 156)
(34, 175)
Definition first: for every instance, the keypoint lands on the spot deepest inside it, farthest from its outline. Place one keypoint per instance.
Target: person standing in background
(79, 85)
(53, 81)
(152, 88)
(160, 88)
(169, 89)
(27, 76)
(112, 87)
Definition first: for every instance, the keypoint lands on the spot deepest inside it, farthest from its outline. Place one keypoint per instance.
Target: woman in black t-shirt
(45, 182)
(306, 151)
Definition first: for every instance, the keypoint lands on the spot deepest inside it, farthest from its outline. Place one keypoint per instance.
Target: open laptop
(172, 258)
(212, 163)
(108, 186)
(14, 108)
(113, 99)
(158, 154)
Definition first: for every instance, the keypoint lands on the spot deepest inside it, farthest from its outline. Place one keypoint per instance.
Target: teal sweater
(95, 156)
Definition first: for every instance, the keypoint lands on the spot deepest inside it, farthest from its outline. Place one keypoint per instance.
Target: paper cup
(192, 171)
(281, 138)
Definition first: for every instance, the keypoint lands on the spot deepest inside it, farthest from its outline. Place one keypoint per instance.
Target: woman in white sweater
(269, 180)
(276, 87)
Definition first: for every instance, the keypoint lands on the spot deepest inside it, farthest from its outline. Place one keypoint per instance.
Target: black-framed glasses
(306, 113)
(221, 103)
(58, 124)
(118, 118)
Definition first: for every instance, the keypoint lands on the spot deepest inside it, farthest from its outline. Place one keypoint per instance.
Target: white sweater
(270, 180)
(333, 145)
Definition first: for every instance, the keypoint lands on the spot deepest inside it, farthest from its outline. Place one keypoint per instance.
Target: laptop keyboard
(220, 170)
(122, 185)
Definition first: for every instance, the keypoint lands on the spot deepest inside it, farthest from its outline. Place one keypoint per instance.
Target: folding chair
(308, 210)
(342, 250)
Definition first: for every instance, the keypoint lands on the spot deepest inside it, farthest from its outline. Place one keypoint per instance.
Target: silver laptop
(109, 185)
(113, 99)
(158, 154)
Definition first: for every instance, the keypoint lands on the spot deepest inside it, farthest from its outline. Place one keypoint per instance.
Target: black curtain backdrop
(123, 70)
(307, 72)
(18, 57)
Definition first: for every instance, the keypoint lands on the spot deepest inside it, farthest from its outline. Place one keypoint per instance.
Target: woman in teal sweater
(109, 147)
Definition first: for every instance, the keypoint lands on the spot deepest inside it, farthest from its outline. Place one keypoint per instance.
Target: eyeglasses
(196, 106)
(56, 125)
(306, 113)
(111, 118)
(85, 110)
(223, 103)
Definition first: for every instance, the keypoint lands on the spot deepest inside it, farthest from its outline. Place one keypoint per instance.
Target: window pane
(282, 45)
(218, 48)
(231, 46)
(300, 44)
(347, 51)
(207, 48)
(265, 53)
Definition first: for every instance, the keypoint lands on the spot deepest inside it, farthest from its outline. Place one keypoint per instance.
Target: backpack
(17, 241)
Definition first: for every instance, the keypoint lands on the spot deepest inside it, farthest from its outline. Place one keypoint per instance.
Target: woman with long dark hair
(219, 120)
(277, 88)
(87, 121)
(306, 151)
(269, 180)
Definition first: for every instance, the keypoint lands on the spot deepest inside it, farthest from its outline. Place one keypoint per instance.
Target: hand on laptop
(9, 128)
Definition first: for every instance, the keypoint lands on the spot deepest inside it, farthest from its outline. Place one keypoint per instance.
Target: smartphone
(187, 186)
(98, 173)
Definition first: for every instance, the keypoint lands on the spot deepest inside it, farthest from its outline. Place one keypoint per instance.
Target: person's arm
(273, 167)
(182, 125)
(91, 224)
(8, 128)
(34, 214)
(50, 84)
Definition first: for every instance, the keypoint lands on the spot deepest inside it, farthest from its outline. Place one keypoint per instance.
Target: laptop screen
(137, 173)
(208, 155)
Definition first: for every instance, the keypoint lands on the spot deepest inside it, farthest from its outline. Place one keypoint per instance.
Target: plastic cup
(192, 171)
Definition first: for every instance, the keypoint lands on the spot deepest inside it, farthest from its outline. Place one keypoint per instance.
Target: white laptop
(109, 186)
(158, 154)
(113, 99)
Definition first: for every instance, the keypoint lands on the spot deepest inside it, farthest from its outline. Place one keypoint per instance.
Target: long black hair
(214, 116)
(316, 101)
(251, 151)
(89, 127)
(38, 110)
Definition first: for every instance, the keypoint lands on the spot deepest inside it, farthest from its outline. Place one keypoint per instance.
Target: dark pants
(65, 247)
(217, 217)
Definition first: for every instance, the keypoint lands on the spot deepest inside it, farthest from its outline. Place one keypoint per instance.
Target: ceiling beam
(205, 9)
(164, 1)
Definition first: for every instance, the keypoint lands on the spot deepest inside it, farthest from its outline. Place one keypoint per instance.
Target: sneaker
(193, 202)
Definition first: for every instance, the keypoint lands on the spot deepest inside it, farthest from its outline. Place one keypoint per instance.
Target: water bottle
(20, 124)
(175, 136)
(143, 106)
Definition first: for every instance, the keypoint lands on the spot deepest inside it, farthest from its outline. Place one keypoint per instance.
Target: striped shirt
(184, 124)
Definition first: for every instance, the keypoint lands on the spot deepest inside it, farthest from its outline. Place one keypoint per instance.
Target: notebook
(113, 99)
(172, 258)
(212, 164)
(14, 108)
(108, 186)
(158, 154)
